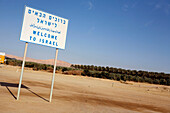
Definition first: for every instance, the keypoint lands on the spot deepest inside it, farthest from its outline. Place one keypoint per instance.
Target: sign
(43, 28)
(2, 57)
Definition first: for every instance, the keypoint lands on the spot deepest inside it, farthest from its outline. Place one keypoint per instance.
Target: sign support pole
(52, 83)
(23, 63)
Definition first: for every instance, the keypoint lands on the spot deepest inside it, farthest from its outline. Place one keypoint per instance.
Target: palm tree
(82, 66)
(99, 68)
(92, 67)
(111, 70)
(107, 68)
(103, 68)
(95, 68)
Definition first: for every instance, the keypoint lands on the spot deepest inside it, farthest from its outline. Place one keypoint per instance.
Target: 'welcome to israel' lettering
(43, 28)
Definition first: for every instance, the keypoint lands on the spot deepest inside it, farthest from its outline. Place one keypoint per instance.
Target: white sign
(2, 53)
(43, 28)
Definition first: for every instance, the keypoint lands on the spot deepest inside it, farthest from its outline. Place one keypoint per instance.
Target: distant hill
(49, 61)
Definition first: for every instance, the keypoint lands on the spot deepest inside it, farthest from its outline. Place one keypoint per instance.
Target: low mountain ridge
(49, 61)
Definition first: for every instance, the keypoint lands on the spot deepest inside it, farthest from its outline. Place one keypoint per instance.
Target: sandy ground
(77, 94)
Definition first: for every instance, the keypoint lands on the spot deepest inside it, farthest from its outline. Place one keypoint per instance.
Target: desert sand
(77, 94)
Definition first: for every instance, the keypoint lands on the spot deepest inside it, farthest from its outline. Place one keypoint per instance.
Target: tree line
(100, 72)
(123, 74)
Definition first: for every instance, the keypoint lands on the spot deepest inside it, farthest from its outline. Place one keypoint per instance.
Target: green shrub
(86, 72)
(149, 80)
(112, 76)
(141, 79)
(118, 77)
(130, 77)
(123, 77)
(105, 74)
(156, 81)
(168, 82)
(163, 82)
(64, 69)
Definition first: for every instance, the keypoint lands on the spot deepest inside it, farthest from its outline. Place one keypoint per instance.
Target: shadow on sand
(5, 84)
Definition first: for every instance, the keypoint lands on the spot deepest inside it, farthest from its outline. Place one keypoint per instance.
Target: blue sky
(130, 34)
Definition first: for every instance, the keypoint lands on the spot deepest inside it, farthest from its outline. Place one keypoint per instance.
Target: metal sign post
(23, 63)
(52, 83)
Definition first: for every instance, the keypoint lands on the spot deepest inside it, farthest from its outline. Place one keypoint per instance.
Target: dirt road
(77, 94)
